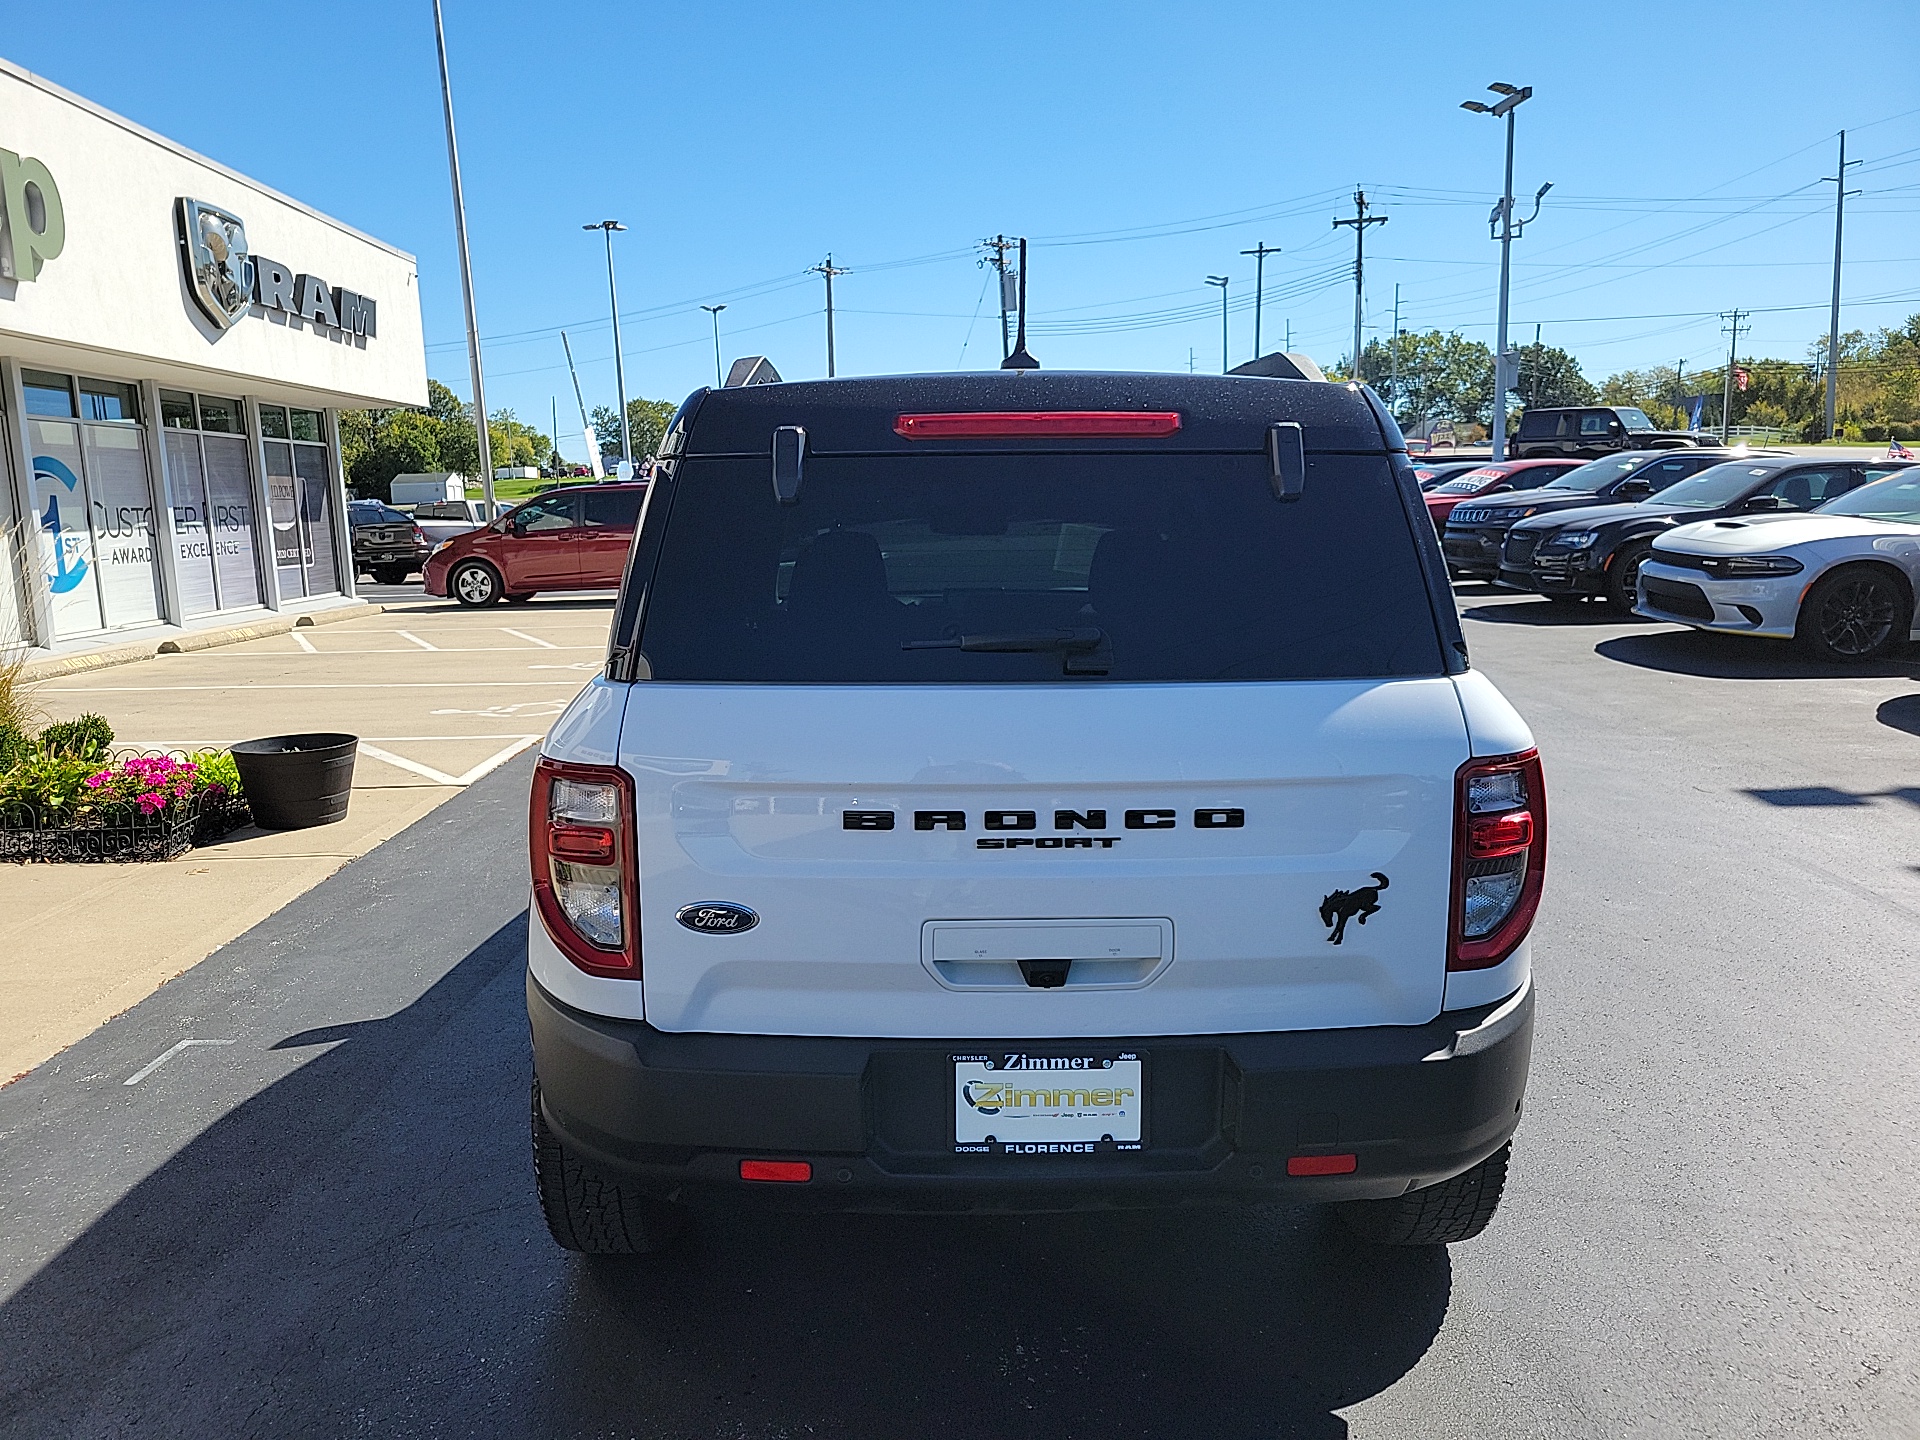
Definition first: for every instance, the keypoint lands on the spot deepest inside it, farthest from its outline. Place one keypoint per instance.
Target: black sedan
(386, 543)
(1475, 529)
(1596, 551)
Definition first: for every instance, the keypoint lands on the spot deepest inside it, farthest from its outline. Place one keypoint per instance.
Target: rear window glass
(971, 569)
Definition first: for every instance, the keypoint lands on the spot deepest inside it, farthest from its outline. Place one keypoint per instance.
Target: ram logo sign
(227, 279)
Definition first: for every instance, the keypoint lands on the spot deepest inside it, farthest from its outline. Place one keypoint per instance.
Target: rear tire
(1443, 1214)
(474, 584)
(1856, 613)
(1623, 577)
(518, 599)
(391, 575)
(590, 1210)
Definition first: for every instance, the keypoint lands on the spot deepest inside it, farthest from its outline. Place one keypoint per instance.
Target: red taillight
(1322, 1164)
(786, 1172)
(580, 844)
(1499, 857)
(1055, 424)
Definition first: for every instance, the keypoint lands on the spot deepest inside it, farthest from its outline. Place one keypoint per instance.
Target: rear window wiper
(1086, 648)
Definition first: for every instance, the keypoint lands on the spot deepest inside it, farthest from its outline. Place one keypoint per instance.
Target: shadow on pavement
(356, 1249)
(1802, 797)
(1541, 611)
(1740, 657)
(1902, 713)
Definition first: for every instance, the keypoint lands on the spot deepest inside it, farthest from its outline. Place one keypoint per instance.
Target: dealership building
(176, 341)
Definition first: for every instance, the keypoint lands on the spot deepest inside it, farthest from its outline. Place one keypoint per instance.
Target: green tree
(1550, 376)
(1431, 376)
(647, 422)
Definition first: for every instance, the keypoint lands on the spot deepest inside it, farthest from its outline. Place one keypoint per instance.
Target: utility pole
(1393, 358)
(1734, 318)
(1289, 337)
(1680, 384)
(1359, 222)
(1020, 359)
(1840, 193)
(1226, 362)
(999, 245)
(1533, 387)
(466, 274)
(828, 269)
(1261, 250)
(553, 409)
(607, 228)
(1506, 229)
(714, 311)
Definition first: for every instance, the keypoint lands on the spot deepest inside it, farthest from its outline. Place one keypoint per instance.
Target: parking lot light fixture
(619, 366)
(714, 311)
(1505, 229)
(1226, 361)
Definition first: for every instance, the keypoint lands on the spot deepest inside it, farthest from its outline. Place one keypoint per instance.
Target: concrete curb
(58, 665)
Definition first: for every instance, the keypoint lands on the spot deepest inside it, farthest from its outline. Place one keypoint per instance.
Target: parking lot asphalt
(321, 1221)
(439, 697)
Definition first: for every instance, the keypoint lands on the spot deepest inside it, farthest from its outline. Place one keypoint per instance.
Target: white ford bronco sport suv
(1032, 792)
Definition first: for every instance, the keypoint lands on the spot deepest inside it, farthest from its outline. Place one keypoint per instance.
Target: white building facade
(176, 342)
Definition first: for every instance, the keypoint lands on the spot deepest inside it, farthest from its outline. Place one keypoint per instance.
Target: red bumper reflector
(1057, 424)
(1322, 1164)
(1491, 836)
(790, 1172)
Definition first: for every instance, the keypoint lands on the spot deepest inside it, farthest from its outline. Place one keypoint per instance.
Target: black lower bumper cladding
(678, 1113)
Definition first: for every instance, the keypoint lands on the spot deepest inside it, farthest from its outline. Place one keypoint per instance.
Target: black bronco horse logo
(1344, 905)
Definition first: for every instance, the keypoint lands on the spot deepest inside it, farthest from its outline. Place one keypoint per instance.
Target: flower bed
(64, 797)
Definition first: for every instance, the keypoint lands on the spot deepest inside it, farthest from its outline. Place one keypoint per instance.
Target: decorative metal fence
(117, 831)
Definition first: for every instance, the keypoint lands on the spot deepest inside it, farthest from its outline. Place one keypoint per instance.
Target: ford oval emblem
(717, 917)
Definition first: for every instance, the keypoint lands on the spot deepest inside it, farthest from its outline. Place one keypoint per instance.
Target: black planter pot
(294, 781)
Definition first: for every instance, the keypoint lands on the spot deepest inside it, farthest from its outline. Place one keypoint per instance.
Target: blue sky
(1142, 147)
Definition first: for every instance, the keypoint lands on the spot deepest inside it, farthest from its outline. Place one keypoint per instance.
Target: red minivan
(575, 538)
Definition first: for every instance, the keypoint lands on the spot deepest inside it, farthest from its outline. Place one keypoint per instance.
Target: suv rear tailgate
(1252, 804)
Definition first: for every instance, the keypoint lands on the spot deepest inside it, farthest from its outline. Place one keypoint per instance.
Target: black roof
(1217, 412)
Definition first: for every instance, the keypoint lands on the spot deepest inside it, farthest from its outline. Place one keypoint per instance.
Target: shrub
(216, 771)
(40, 788)
(87, 738)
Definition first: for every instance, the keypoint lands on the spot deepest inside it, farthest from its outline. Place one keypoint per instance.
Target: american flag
(1897, 451)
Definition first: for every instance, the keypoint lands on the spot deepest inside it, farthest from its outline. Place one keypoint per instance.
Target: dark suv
(1476, 528)
(1597, 551)
(386, 543)
(1589, 431)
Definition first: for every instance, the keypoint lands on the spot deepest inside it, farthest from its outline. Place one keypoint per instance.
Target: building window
(306, 425)
(48, 394)
(176, 411)
(109, 400)
(220, 416)
(273, 422)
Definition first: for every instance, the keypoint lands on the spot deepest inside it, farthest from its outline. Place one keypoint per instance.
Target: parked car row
(1728, 535)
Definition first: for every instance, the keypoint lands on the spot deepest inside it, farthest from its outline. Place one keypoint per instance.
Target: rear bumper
(677, 1113)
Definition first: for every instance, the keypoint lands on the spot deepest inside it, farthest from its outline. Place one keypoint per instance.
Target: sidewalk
(440, 697)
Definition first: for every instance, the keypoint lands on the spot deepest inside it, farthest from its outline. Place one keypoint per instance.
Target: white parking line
(409, 635)
(304, 643)
(440, 777)
(152, 1065)
(532, 639)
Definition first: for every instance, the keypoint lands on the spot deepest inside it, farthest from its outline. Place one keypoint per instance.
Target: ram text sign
(227, 279)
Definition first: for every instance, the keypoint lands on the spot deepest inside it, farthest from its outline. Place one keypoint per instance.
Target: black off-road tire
(391, 574)
(1855, 613)
(1443, 1214)
(475, 584)
(1623, 576)
(590, 1210)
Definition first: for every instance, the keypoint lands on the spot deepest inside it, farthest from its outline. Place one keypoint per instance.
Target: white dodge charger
(1839, 579)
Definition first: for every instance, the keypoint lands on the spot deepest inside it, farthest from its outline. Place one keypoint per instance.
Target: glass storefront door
(93, 507)
(211, 495)
(299, 476)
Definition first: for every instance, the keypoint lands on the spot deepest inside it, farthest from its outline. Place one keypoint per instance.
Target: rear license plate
(1016, 1104)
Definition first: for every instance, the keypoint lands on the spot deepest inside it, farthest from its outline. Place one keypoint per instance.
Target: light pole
(1225, 361)
(714, 311)
(1261, 250)
(1506, 229)
(619, 365)
(466, 275)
